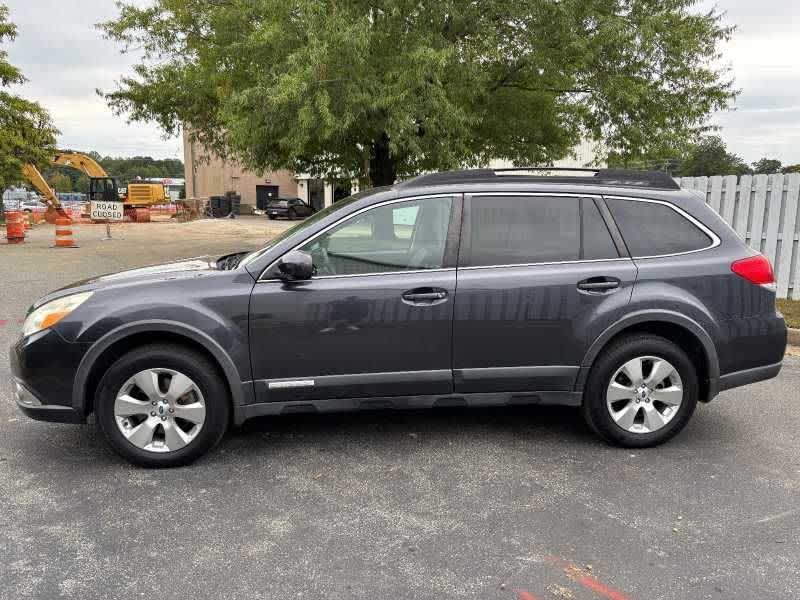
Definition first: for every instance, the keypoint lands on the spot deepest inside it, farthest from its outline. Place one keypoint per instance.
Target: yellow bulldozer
(102, 187)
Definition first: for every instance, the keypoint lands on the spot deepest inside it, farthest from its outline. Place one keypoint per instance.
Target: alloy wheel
(160, 410)
(644, 394)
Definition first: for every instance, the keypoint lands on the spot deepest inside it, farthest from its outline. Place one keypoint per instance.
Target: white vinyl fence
(765, 212)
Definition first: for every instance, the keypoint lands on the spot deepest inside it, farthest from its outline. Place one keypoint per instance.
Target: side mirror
(296, 266)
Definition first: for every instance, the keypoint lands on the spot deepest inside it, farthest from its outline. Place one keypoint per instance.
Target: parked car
(617, 293)
(288, 208)
(21, 199)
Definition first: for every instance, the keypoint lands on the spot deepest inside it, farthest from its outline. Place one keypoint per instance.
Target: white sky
(65, 58)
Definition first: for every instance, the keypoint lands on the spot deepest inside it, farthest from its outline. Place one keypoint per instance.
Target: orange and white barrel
(15, 228)
(64, 233)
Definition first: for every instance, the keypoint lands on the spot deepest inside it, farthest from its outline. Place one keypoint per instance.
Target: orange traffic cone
(64, 233)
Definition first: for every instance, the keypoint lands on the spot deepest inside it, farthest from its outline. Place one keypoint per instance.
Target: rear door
(539, 275)
(375, 320)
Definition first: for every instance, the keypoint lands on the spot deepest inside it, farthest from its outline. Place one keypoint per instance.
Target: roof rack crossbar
(601, 176)
(568, 169)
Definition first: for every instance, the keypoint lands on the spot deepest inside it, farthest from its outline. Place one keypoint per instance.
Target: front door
(539, 278)
(376, 318)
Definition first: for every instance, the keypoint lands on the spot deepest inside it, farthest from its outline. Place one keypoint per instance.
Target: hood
(181, 269)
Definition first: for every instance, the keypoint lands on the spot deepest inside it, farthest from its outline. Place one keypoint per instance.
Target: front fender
(232, 375)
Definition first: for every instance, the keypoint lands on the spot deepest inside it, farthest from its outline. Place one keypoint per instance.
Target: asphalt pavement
(519, 502)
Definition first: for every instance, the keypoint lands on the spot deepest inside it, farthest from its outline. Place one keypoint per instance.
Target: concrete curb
(793, 337)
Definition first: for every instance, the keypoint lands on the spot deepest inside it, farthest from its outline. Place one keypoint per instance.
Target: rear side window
(518, 230)
(653, 229)
(597, 241)
(508, 230)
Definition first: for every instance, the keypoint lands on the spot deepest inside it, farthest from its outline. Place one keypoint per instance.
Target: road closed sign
(106, 211)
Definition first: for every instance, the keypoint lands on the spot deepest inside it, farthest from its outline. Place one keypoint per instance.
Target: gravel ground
(492, 504)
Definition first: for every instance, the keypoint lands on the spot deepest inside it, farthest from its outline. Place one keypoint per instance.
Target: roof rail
(620, 177)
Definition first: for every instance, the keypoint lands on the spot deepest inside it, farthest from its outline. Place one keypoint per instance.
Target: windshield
(306, 223)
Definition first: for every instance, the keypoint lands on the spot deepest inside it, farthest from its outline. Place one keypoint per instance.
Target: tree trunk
(382, 167)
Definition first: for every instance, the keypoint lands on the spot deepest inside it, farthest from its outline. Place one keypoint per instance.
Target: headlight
(51, 313)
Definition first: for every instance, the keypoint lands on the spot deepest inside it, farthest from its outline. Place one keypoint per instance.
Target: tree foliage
(767, 166)
(388, 88)
(711, 157)
(26, 132)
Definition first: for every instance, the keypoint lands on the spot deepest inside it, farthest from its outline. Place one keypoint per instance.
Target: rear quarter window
(655, 229)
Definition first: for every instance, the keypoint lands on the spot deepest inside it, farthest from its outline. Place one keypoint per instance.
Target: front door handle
(599, 285)
(424, 296)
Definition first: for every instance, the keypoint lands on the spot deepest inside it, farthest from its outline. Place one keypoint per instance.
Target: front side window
(654, 229)
(401, 236)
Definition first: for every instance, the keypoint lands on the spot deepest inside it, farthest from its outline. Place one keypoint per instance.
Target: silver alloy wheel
(644, 394)
(160, 410)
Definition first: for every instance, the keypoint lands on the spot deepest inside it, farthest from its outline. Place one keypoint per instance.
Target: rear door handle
(424, 296)
(598, 285)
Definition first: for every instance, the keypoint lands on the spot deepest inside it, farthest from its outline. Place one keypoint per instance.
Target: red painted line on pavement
(3, 321)
(593, 584)
(523, 595)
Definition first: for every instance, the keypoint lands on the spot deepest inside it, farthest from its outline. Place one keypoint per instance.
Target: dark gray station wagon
(613, 291)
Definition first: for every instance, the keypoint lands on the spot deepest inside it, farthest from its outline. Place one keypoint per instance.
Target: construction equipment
(102, 187)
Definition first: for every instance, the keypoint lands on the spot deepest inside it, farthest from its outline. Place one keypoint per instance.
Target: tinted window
(507, 230)
(394, 237)
(597, 241)
(652, 229)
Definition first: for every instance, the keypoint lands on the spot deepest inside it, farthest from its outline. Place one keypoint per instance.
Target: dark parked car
(288, 208)
(617, 293)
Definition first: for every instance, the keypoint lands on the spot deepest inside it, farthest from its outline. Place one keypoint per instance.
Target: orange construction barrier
(27, 219)
(64, 233)
(15, 228)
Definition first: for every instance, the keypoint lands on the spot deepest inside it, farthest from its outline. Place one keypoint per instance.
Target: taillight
(756, 269)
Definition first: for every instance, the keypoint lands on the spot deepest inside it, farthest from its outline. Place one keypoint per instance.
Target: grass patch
(791, 312)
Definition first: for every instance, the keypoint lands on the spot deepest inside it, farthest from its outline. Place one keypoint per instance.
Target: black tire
(178, 358)
(291, 215)
(595, 410)
(271, 217)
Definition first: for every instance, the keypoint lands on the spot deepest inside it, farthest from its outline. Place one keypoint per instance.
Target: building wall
(215, 177)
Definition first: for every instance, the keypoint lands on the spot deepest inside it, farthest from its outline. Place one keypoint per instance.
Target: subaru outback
(614, 292)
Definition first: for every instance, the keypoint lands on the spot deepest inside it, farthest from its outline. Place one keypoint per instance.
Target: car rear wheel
(641, 391)
(162, 406)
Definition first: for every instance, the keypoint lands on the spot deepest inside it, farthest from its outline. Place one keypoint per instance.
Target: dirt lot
(500, 504)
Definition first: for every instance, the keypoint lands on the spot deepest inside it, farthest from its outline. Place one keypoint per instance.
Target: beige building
(215, 177)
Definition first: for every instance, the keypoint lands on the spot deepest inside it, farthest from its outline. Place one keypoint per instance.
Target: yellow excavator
(101, 186)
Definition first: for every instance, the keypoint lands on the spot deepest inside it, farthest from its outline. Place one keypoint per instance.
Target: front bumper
(43, 368)
(29, 404)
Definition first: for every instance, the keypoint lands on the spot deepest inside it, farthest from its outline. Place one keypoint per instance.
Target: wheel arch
(123, 339)
(689, 335)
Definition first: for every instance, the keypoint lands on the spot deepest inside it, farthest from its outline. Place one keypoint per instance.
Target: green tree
(26, 132)
(60, 182)
(767, 166)
(387, 89)
(711, 157)
(791, 169)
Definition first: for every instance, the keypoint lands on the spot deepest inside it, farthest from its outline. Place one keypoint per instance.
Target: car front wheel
(162, 406)
(641, 391)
